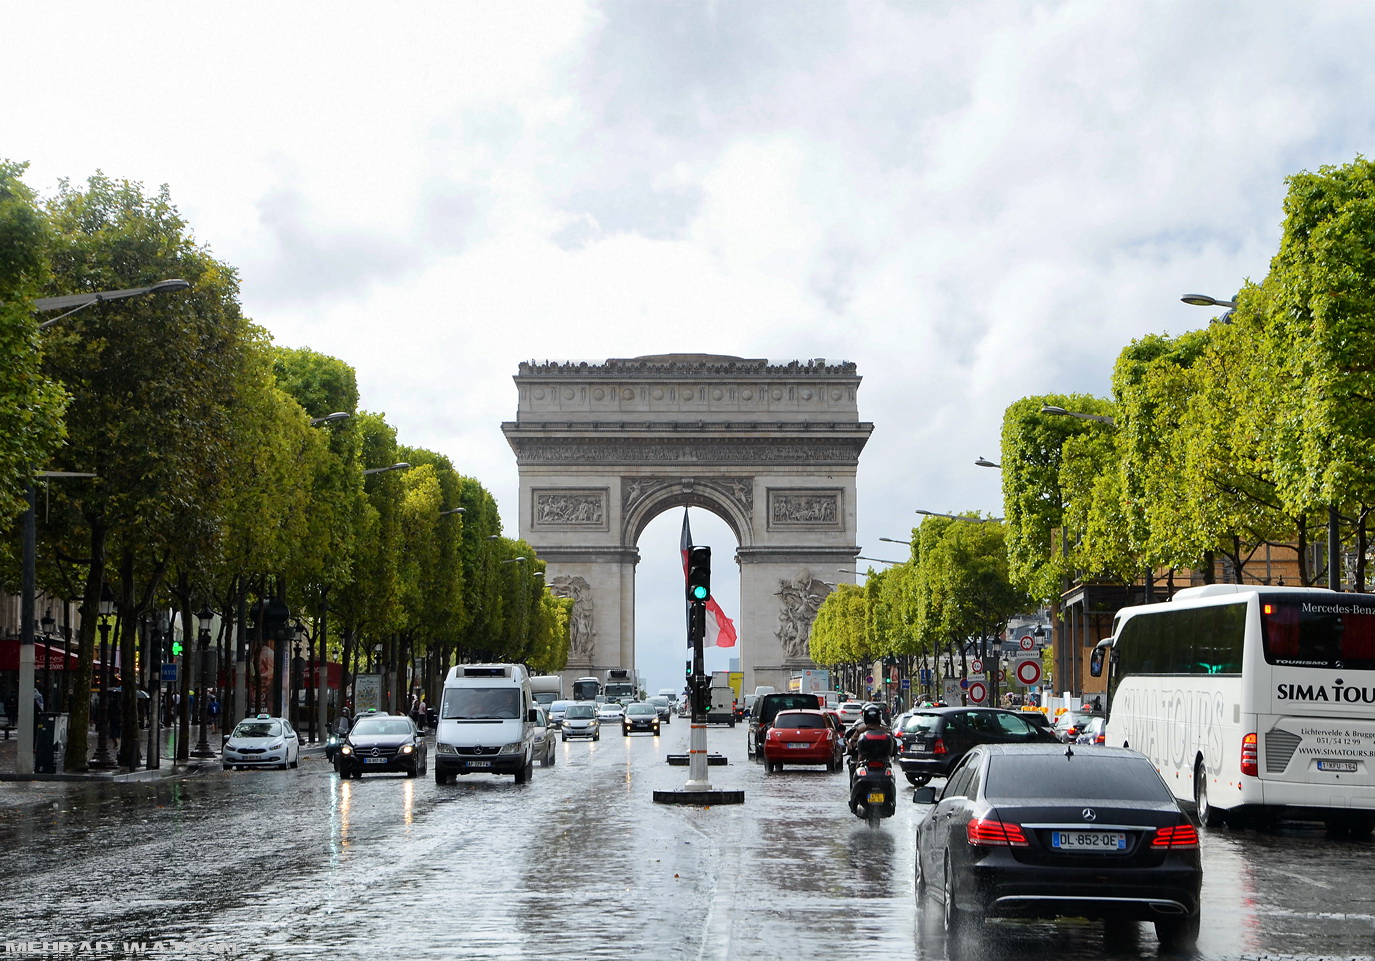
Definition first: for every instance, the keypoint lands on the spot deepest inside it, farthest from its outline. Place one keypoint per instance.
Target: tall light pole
(102, 757)
(203, 618)
(955, 517)
(69, 303)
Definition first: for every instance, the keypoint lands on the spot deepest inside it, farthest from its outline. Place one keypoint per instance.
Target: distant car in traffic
(261, 741)
(580, 720)
(664, 705)
(1068, 724)
(383, 743)
(849, 712)
(1093, 731)
(1044, 831)
(556, 711)
(765, 708)
(545, 749)
(609, 712)
(804, 737)
(640, 716)
(933, 740)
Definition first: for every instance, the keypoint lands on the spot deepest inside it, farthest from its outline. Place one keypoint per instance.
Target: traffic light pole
(700, 691)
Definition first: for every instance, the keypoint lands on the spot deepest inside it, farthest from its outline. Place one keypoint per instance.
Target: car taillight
(1102, 738)
(991, 833)
(1250, 757)
(1180, 836)
(938, 747)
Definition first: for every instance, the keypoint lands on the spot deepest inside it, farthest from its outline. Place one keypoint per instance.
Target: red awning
(44, 657)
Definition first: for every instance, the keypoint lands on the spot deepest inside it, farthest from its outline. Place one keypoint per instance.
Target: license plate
(1088, 840)
(1347, 767)
(374, 760)
(479, 763)
(803, 745)
(877, 797)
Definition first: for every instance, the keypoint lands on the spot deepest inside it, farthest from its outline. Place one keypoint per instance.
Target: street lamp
(891, 540)
(453, 510)
(203, 617)
(985, 462)
(877, 560)
(1060, 411)
(511, 560)
(328, 418)
(959, 517)
(102, 757)
(400, 465)
(81, 301)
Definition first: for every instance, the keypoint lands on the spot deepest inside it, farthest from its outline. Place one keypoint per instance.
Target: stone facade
(603, 449)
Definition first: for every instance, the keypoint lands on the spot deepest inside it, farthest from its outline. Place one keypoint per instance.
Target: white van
(486, 723)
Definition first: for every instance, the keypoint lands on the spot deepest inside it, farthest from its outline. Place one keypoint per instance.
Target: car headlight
(407, 748)
(346, 749)
(515, 747)
(276, 745)
(441, 748)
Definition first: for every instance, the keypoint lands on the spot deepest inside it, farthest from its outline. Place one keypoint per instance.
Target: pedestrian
(116, 720)
(213, 706)
(38, 700)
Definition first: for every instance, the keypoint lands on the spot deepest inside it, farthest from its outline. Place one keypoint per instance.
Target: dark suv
(765, 708)
(933, 740)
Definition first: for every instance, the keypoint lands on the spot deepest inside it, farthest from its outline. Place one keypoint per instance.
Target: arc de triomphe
(772, 449)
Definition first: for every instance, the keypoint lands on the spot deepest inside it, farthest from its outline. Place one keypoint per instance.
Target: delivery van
(486, 723)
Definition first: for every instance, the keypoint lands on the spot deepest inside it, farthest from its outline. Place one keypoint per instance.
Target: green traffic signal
(699, 573)
(176, 648)
(699, 593)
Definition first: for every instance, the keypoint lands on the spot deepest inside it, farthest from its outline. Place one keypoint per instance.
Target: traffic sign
(1027, 642)
(976, 666)
(977, 692)
(1029, 672)
(169, 673)
(906, 684)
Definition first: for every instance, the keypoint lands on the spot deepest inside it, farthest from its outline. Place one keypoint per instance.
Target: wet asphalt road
(580, 863)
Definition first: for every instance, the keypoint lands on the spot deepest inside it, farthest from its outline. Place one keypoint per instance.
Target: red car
(804, 737)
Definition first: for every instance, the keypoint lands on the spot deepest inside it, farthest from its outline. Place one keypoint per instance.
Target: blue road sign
(906, 684)
(169, 673)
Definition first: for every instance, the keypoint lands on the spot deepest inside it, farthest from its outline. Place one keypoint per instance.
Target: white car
(261, 741)
(849, 712)
(610, 712)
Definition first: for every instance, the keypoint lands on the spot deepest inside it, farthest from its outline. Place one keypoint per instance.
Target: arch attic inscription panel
(771, 448)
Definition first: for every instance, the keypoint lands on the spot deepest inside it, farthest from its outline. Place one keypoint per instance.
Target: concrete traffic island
(699, 798)
(681, 760)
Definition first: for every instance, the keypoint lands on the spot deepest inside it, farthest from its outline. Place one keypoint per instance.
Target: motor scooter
(873, 791)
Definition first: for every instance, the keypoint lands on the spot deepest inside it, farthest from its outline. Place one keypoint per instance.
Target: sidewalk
(9, 759)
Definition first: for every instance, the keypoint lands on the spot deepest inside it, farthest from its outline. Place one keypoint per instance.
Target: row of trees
(1248, 439)
(213, 485)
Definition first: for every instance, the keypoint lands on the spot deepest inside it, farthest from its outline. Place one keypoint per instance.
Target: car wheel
(956, 920)
(597, 736)
(1208, 816)
(228, 767)
(917, 780)
(921, 875)
(296, 763)
(1178, 934)
(553, 754)
(441, 778)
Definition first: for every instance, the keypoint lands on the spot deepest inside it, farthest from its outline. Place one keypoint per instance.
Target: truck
(622, 684)
(547, 689)
(586, 689)
(723, 698)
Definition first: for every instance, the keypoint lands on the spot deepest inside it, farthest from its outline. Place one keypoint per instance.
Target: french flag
(720, 628)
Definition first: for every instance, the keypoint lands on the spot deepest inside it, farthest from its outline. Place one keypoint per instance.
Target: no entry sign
(1029, 672)
(977, 691)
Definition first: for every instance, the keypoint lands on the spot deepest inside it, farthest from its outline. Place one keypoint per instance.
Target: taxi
(261, 741)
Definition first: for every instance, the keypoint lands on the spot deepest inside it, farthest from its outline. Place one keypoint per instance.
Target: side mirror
(1096, 659)
(924, 795)
(532, 716)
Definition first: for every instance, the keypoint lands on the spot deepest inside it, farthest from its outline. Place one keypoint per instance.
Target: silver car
(580, 720)
(556, 711)
(545, 748)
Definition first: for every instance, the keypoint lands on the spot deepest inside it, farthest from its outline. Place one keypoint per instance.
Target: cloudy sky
(974, 201)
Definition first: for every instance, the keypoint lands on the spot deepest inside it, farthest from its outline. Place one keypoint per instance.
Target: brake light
(1250, 756)
(991, 833)
(1180, 836)
(939, 746)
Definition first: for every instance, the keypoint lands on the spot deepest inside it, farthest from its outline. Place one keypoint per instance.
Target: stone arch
(772, 449)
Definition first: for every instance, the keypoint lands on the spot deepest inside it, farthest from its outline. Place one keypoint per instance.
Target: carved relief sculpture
(801, 597)
(562, 509)
(581, 637)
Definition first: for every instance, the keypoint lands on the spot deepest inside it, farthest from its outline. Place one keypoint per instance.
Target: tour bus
(1251, 700)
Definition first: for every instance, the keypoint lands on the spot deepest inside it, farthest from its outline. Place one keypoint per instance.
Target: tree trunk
(78, 742)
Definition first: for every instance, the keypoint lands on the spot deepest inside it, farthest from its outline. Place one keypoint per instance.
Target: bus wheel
(1208, 816)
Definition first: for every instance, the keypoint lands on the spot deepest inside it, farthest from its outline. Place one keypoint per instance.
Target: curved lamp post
(102, 757)
(203, 618)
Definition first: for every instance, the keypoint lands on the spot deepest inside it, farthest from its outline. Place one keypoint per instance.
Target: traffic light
(689, 668)
(176, 648)
(699, 574)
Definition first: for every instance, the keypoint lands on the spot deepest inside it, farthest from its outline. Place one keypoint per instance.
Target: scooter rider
(870, 720)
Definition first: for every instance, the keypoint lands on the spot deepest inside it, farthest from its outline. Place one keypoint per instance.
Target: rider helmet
(873, 716)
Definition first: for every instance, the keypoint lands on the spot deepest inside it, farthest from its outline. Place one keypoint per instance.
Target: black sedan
(932, 740)
(382, 743)
(1045, 831)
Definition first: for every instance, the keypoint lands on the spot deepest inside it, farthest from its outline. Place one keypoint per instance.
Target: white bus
(1251, 700)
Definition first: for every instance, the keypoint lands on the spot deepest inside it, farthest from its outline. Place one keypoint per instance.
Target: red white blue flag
(720, 628)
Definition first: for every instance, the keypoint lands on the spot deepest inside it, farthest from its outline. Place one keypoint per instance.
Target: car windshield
(576, 711)
(380, 726)
(641, 709)
(796, 720)
(558, 706)
(1083, 776)
(921, 723)
(659, 701)
(480, 703)
(258, 729)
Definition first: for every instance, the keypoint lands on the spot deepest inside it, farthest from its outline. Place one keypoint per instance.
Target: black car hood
(380, 740)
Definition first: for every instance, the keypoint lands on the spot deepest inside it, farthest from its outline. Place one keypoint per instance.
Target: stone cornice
(677, 366)
(533, 448)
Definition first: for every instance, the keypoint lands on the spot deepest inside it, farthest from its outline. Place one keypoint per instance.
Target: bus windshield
(1332, 633)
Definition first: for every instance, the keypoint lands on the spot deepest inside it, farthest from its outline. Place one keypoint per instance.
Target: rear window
(1084, 776)
(1331, 632)
(773, 703)
(794, 721)
(921, 723)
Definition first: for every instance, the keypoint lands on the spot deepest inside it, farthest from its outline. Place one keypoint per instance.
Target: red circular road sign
(1029, 672)
(977, 691)
(1027, 642)
(977, 666)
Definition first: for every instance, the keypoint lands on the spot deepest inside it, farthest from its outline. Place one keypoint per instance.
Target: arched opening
(661, 649)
